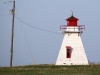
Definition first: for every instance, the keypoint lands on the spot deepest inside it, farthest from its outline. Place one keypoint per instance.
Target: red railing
(80, 28)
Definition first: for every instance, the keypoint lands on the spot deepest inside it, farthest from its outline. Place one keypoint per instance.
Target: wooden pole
(12, 33)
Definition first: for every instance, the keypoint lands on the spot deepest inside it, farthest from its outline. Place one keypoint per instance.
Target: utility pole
(12, 33)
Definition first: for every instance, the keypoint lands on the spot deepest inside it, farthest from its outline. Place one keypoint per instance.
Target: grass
(51, 70)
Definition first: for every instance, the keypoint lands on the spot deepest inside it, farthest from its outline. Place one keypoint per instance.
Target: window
(68, 51)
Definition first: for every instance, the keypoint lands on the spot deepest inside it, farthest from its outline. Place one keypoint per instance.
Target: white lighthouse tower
(72, 51)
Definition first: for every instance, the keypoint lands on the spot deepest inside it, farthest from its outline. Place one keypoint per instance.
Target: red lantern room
(72, 21)
(72, 25)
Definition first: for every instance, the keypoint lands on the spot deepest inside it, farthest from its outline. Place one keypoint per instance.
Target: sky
(44, 46)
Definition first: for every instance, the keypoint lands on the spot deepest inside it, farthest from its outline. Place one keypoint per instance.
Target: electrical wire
(27, 41)
(5, 15)
(8, 2)
(31, 25)
(37, 27)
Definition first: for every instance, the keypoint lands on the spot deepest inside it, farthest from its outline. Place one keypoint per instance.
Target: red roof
(72, 18)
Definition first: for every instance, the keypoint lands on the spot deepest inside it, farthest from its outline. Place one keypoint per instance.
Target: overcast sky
(48, 15)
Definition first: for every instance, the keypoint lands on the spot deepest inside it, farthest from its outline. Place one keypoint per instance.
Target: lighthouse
(72, 50)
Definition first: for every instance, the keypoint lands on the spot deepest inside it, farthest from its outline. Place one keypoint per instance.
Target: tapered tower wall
(78, 55)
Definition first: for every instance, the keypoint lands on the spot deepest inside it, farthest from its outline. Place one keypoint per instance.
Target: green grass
(51, 70)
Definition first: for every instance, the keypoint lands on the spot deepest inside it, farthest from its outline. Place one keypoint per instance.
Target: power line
(26, 40)
(37, 27)
(5, 15)
(5, 2)
(8, 2)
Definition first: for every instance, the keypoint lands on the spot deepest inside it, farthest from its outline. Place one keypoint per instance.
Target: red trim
(68, 47)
